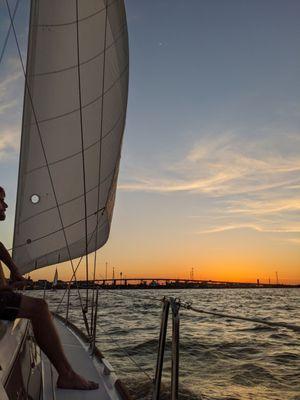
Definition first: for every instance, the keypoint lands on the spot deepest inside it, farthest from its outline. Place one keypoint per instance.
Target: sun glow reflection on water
(219, 359)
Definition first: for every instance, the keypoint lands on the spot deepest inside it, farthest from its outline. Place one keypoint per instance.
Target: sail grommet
(35, 198)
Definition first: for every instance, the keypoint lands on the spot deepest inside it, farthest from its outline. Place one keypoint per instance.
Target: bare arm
(8, 261)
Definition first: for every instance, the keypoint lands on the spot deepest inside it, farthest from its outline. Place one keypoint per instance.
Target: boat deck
(83, 363)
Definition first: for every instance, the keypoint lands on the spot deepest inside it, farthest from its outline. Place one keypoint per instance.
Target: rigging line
(59, 230)
(90, 103)
(44, 153)
(22, 142)
(80, 20)
(120, 145)
(236, 317)
(57, 71)
(116, 123)
(100, 151)
(188, 306)
(83, 158)
(8, 31)
(74, 274)
(127, 354)
(115, 292)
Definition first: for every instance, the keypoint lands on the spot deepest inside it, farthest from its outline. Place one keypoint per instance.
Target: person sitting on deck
(15, 305)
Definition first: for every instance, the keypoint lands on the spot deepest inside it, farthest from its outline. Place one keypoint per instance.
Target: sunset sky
(209, 175)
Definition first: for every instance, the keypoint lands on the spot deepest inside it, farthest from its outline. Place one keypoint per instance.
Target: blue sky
(210, 163)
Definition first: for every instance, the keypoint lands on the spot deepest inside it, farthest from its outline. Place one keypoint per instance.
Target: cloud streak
(9, 144)
(246, 183)
(225, 166)
(258, 228)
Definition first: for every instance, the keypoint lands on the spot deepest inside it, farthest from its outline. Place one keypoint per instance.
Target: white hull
(20, 361)
(26, 372)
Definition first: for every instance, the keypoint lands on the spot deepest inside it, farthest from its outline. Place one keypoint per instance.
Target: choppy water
(219, 359)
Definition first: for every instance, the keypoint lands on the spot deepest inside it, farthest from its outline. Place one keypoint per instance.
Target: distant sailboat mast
(55, 280)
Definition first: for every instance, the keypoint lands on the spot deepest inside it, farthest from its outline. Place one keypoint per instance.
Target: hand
(17, 281)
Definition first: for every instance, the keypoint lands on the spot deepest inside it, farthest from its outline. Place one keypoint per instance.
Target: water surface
(219, 358)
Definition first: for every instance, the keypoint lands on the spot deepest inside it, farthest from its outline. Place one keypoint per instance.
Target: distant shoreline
(171, 287)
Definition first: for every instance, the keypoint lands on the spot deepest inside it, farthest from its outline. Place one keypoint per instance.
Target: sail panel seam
(83, 62)
(80, 20)
(66, 202)
(43, 150)
(82, 152)
(60, 230)
(100, 157)
(78, 152)
(87, 104)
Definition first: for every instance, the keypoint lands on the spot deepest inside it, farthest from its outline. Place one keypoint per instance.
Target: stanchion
(161, 349)
(175, 305)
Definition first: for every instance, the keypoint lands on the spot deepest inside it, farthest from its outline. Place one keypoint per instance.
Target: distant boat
(55, 280)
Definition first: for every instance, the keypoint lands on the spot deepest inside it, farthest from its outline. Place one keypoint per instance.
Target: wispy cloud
(4, 106)
(260, 207)
(258, 228)
(247, 183)
(224, 165)
(11, 89)
(9, 144)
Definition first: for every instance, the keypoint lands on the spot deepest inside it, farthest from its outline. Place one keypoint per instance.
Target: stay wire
(127, 355)
(83, 156)
(100, 154)
(8, 32)
(45, 156)
(188, 306)
(74, 274)
(78, 264)
(295, 328)
(126, 69)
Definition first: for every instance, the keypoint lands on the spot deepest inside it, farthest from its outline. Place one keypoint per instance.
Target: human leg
(48, 340)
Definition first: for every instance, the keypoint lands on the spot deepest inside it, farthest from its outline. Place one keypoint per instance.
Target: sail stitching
(80, 20)
(87, 104)
(78, 264)
(83, 62)
(44, 153)
(116, 166)
(78, 241)
(121, 137)
(78, 152)
(100, 158)
(65, 202)
(59, 230)
(82, 153)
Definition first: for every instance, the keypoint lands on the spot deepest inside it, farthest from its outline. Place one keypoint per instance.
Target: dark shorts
(9, 304)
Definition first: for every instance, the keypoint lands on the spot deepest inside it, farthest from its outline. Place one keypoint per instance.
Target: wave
(251, 374)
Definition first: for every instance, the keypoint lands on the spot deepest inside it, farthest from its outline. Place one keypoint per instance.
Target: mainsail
(73, 121)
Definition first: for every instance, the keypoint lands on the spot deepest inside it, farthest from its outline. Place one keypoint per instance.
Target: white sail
(55, 279)
(65, 194)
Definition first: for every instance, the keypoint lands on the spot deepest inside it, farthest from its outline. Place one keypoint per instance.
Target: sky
(209, 175)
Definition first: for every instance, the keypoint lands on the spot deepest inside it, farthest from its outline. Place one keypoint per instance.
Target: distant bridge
(164, 281)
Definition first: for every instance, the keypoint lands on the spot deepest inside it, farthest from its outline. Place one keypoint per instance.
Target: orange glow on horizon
(214, 273)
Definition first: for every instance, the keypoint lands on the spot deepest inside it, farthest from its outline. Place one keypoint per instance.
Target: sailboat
(55, 280)
(75, 100)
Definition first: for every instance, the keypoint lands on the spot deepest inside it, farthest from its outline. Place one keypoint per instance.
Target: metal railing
(174, 304)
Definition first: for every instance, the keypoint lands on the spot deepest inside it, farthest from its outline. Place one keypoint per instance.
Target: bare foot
(76, 382)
